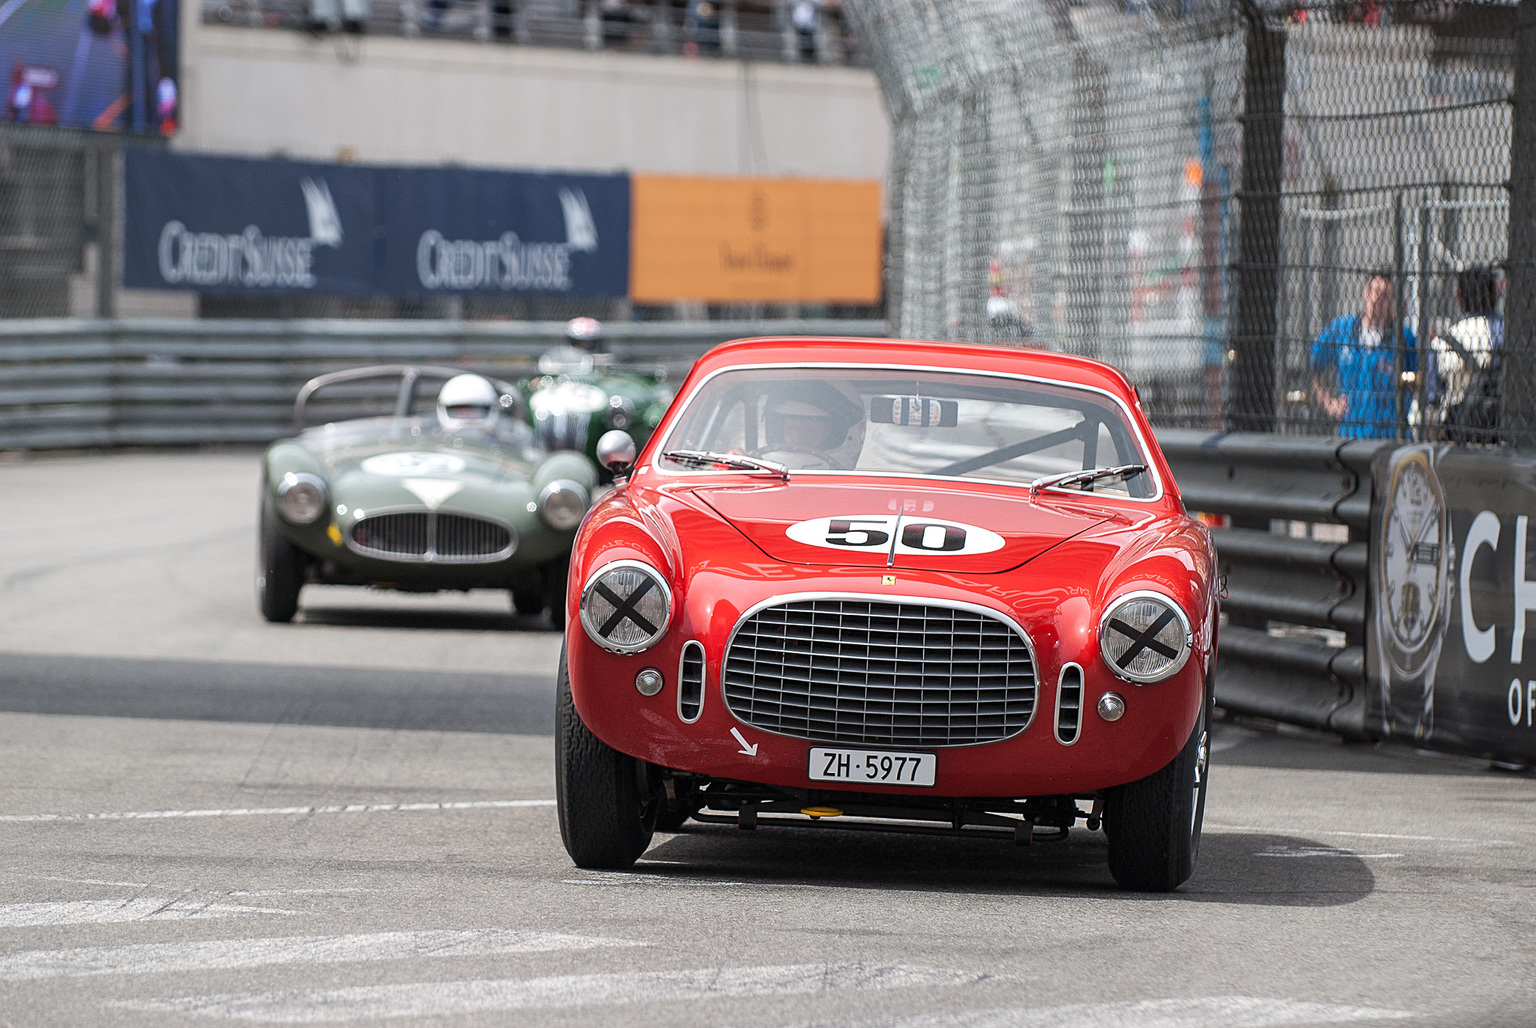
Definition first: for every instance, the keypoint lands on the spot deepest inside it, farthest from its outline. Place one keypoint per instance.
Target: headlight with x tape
(1145, 637)
(625, 606)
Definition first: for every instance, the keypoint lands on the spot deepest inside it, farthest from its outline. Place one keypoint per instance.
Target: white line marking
(1206, 1012)
(1254, 830)
(160, 958)
(439, 999)
(115, 911)
(1321, 851)
(351, 808)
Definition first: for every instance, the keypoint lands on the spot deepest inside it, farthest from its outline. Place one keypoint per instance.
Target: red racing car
(913, 586)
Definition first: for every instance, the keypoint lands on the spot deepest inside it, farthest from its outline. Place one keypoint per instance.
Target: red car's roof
(1043, 363)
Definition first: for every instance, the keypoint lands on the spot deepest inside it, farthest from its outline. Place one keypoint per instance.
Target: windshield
(932, 423)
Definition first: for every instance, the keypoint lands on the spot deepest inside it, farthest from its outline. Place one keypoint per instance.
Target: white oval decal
(399, 465)
(908, 535)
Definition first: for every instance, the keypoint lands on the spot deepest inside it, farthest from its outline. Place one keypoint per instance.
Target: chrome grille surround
(880, 670)
(431, 537)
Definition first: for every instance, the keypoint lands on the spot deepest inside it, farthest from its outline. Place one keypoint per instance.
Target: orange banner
(744, 240)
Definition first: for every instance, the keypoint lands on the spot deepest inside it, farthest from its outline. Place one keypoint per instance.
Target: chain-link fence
(1261, 212)
(52, 195)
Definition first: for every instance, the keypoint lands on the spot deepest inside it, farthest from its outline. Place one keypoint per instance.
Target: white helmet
(467, 401)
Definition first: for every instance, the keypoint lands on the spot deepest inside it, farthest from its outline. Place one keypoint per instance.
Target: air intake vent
(690, 683)
(1069, 705)
(881, 673)
(428, 536)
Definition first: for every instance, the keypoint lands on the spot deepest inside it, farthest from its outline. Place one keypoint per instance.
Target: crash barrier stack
(77, 384)
(1293, 517)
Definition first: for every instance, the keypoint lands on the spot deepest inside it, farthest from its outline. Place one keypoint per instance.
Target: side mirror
(616, 451)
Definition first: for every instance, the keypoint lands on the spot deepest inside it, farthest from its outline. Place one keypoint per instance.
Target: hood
(946, 529)
(402, 475)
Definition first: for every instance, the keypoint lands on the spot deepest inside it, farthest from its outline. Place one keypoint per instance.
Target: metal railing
(81, 384)
(1294, 557)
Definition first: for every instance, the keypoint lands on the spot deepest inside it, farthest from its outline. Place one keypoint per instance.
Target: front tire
(555, 575)
(279, 571)
(606, 817)
(1154, 824)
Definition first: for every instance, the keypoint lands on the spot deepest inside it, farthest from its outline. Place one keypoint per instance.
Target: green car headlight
(625, 606)
(562, 504)
(301, 498)
(1145, 637)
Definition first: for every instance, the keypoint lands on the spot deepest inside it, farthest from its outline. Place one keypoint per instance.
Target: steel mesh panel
(1197, 191)
(873, 673)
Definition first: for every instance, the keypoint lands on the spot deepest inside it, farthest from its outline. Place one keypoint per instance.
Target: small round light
(1145, 637)
(649, 682)
(626, 606)
(1111, 706)
(562, 504)
(301, 498)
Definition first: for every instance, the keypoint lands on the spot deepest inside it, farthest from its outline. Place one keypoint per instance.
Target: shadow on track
(452, 701)
(435, 620)
(1252, 869)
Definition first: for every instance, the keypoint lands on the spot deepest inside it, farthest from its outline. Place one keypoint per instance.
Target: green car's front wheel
(279, 570)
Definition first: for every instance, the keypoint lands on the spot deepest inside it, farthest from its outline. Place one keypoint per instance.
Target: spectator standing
(1464, 384)
(1353, 364)
(805, 16)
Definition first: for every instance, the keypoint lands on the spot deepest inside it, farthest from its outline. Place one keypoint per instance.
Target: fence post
(1257, 271)
(1517, 388)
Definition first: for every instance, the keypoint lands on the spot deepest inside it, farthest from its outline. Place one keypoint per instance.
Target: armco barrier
(71, 383)
(1280, 590)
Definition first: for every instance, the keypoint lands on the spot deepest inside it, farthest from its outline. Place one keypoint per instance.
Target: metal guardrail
(1289, 601)
(81, 384)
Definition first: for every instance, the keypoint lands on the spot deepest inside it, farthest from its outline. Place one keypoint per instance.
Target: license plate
(872, 767)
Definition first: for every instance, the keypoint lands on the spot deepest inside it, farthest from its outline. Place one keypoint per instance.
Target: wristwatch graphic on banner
(1412, 592)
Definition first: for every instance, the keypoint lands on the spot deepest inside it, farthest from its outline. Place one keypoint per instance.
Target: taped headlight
(300, 498)
(1145, 637)
(562, 504)
(625, 606)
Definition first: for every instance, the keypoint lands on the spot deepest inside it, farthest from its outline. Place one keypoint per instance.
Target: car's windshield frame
(677, 417)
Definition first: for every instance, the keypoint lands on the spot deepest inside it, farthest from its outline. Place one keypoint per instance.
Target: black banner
(1450, 662)
(229, 225)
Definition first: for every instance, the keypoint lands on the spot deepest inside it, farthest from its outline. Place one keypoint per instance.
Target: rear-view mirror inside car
(914, 411)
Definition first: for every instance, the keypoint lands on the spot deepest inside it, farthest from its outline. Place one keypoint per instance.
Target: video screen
(110, 65)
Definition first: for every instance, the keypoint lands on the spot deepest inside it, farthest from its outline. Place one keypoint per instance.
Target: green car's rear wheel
(605, 798)
(280, 569)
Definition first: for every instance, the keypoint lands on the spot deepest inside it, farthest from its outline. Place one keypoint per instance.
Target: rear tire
(279, 570)
(1154, 824)
(606, 818)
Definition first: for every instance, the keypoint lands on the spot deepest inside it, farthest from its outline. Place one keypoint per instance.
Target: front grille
(430, 536)
(880, 673)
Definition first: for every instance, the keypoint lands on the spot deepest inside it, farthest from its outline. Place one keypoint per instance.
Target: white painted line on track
(1321, 851)
(1203, 1012)
(440, 999)
(350, 808)
(116, 911)
(1259, 830)
(160, 958)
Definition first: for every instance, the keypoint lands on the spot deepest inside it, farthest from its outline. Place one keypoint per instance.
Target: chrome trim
(294, 478)
(682, 660)
(586, 592)
(928, 601)
(1146, 594)
(431, 556)
(1077, 731)
(680, 404)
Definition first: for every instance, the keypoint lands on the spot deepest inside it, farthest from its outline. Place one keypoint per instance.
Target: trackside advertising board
(1452, 654)
(230, 225)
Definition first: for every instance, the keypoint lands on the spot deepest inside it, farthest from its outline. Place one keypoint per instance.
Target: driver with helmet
(812, 426)
(468, 402)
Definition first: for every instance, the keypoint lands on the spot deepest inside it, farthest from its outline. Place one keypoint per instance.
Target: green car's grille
(430, 536)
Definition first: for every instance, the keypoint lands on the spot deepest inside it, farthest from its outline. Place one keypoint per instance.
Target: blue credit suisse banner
(230, 225)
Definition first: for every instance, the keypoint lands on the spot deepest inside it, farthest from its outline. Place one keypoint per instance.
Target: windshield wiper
(1122, 472)
(734, 461)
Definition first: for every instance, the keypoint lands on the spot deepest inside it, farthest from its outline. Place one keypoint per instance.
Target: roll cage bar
(405, 397)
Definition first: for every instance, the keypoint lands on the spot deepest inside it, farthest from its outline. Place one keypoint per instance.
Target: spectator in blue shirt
(1353, 362)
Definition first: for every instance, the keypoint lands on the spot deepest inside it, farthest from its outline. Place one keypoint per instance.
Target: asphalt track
(205, 819)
